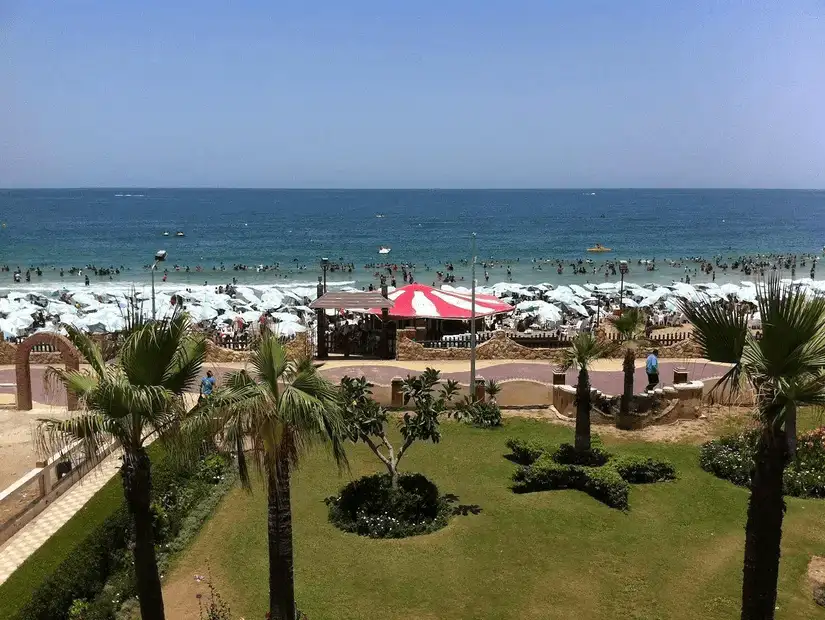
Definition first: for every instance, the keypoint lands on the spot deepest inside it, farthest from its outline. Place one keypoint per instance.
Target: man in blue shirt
(207, 385)
(652, 368)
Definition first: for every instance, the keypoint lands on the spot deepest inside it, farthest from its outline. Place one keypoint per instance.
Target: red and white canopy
(418, 301)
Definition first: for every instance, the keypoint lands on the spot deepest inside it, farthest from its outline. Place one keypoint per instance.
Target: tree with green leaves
(631, 327)
(583, 351)
(785, 369)
(138, 396)
(274, 415)
(367, 421)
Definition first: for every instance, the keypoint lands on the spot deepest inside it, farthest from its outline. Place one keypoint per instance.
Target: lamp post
(622, 270)
(160, 256)
(325, 266)
(473, 321)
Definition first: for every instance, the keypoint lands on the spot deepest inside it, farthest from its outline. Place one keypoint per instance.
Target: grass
(676, 555)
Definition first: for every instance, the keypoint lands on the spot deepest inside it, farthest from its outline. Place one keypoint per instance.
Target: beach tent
(416, 301)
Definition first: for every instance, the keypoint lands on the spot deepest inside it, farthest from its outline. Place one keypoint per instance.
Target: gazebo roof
(422, 301)
(335, 300)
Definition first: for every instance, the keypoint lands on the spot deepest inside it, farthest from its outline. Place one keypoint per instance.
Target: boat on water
(379, 215)
(179, 234)
(384, 250)
(165, 233)
(599, 248)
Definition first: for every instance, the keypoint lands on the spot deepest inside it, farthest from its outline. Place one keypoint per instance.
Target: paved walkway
(19, 547)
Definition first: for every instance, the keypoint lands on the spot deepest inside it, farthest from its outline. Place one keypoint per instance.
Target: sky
(435, 94)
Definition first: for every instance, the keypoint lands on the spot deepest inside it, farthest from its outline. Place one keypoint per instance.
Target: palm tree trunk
(279, 525)
(137, 486)
(763, 531)
(629, 368)
(583, 411)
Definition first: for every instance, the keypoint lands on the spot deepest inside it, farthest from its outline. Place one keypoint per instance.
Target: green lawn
(676, 555)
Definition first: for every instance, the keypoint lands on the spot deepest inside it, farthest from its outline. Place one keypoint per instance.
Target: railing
(50, 479)
(544, 340)
(243, 342)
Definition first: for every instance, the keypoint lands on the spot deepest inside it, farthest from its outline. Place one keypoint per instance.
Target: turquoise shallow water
(295, 228)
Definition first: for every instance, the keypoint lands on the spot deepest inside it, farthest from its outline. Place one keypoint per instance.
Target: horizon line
(404, 189)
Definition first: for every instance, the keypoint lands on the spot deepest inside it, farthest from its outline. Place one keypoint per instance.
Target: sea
(523, 230)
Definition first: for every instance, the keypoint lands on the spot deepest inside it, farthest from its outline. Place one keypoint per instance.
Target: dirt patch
(716, 420)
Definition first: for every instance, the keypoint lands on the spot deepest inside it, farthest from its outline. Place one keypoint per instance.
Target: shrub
(566, 454)
(480, 414)
(641, 470)
(606, 485)
(370, 507)
(730, 457)
(526, 451)
(546, 474)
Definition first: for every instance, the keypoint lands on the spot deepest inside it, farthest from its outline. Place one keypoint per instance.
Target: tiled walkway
(19, 547)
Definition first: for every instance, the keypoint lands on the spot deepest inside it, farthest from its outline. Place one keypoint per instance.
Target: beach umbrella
(547, 312)
(421, 301)
(287, 330)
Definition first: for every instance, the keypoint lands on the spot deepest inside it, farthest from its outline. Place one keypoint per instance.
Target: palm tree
(141, 394)
(286, 407)
(785, 369)
(631, 326)
(584, 349)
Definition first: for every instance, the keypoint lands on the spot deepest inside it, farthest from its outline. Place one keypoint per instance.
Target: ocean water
(57, 228)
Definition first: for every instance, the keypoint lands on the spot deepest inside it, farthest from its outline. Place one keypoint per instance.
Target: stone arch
(69, 354)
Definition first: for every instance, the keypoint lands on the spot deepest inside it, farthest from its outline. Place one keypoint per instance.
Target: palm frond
(630, 324)
(88, 348)
(270, 362)
(185, 365)
(91, 430)
(582, 352)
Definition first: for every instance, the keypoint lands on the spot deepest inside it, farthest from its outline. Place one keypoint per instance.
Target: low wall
(684, 403)
(499, 347)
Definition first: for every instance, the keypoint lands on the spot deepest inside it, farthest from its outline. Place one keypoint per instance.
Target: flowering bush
(731, 458)
(370, 507)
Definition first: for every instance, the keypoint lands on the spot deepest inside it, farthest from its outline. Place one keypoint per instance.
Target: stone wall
(296, 348)
(499, 347)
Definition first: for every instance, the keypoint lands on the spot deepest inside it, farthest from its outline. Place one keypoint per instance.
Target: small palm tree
(139, 395)
(278, 413)
(785, 369)
(583, 351)
(492, 388)
(631, 326)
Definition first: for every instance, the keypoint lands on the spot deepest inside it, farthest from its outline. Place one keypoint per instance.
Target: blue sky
(412, 94)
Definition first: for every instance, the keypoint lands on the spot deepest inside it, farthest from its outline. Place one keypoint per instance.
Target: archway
(69, 354)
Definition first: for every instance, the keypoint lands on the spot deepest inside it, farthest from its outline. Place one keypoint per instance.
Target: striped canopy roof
(418, 301)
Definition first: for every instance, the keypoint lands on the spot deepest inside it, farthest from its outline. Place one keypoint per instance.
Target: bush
(481, 414)
(731, 458)
(642, 470)
(370, 507)
(566, 454)
(103, 552)
(601, 483)
(526, 451)
(606, 485)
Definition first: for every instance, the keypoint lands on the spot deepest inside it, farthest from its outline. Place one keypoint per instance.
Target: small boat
(379, 215)
(179, 234)
(383, 250)
(165, 233)
(599, 248)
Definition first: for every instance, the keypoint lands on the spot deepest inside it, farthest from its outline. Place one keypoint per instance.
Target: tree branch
(406, 445)
(376, 450)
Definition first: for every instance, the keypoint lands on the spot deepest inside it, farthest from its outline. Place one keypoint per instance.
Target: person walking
(207, 385)
(652, 368)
